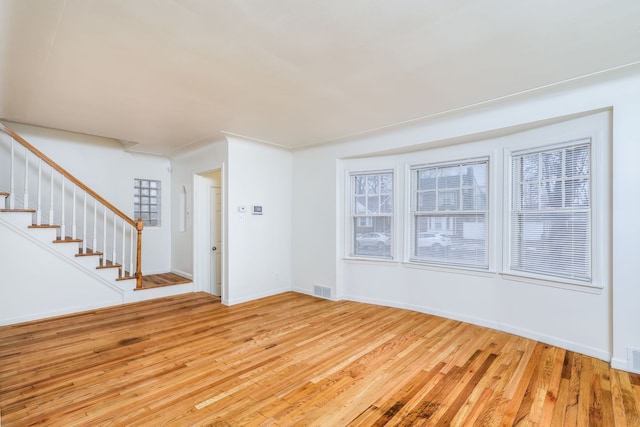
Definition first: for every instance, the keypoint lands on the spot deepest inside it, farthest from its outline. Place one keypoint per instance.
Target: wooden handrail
(138, 225)
(70, 177)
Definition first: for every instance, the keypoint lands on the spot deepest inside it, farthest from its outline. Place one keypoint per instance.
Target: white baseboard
(311, 294)
(182, 273)
(61, 312)
(234, 301)
(152, 293)
(302, 291)
(621, 364)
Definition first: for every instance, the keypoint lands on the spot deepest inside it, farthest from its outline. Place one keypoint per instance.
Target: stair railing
(81, 212)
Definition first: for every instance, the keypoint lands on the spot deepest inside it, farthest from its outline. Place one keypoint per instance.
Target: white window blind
(449, 213)
(372, 214)
(551, 211)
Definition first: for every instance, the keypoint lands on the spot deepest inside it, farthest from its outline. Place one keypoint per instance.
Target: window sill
(566, 284)
(450, 269)
(373, 261)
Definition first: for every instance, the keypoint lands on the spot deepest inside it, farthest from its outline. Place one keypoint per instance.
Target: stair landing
(160, 280)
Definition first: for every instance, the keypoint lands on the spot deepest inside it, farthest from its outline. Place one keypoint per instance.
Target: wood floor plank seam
(293, 359)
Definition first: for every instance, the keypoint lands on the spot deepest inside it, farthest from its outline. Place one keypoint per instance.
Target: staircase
(63, 247)
(48, 236)
(37, 193)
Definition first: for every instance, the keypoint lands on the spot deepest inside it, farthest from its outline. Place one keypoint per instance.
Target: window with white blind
(372, 214)
(449, 213)
(146, 201)
(550, 216)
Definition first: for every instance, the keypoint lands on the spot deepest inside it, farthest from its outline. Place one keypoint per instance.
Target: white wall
(31, 288)
(103, 165)
(257, 252)
(576, 320)
(203, 158)
(259, 246)
(626, 226)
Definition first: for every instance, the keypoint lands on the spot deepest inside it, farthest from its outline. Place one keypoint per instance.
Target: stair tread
(44, 226)
(108, 264)
(18, 210)
(89, 252)
(4, 194)
(67, 240)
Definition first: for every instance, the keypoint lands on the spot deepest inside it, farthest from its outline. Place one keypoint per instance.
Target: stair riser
(127, 285)
(68, 249)
(18, 219)
(88, 261)
(46, 235)
(108, 273)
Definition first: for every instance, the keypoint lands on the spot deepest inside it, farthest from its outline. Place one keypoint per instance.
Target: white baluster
(63, 234)
(95, 225)
(25, 201)
(51, 200)
(124, 241)
(73, 214)
(113, 252)
(104, 232)
(131, 270)
(12, 197)
(84, 224)
(39, 212)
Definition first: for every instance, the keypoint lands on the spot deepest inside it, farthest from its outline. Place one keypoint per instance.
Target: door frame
(201, 232)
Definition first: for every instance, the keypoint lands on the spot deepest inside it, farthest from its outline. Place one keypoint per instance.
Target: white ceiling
(162, 74)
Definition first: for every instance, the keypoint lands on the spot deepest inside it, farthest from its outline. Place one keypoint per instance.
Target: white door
(207, 232)
(216, 240)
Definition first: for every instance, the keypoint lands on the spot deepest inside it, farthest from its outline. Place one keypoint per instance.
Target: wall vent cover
(322, 291)
(633, 363)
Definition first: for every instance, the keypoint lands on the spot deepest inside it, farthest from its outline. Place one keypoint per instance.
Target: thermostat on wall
(256, 209)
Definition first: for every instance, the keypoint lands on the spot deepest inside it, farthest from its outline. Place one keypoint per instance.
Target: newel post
(139, 227)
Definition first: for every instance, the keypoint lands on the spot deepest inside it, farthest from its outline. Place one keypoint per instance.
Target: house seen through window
(450, 213)
(372, 214)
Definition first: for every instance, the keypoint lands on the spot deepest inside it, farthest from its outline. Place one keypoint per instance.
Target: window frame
(599, 218)
(412, 212)
(353, 216)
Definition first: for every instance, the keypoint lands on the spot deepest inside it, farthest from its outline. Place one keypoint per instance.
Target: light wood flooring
(292, 360)
(164, 279)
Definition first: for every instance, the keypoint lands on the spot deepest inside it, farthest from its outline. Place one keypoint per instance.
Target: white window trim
(600, 167)
(596, 126)
(408, 258)
(348, 218)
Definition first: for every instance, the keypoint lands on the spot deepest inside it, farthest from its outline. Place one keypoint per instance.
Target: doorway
(207, 232)
(215, 239)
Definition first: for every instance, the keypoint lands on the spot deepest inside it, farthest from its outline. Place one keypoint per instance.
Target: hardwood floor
(291, 360)
(164, 279)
